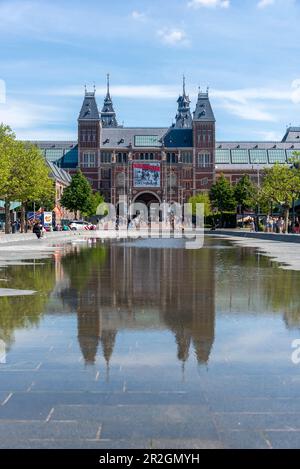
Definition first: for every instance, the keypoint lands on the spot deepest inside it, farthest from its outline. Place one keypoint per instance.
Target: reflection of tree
(80, 263)
(25, 311)
(250, 282)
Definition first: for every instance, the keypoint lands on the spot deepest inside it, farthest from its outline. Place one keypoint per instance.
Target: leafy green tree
(7, 152)
(95, 200)
(281, 185)
(201, 198)
(245, 193)
(30, 178)
(222, 195)
(78, 195)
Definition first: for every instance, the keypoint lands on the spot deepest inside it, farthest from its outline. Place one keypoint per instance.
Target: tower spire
(108, 115)
(183, 116)
(108, 84)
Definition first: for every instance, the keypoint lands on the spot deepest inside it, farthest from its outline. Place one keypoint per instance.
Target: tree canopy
(222, 195)
(79, 197)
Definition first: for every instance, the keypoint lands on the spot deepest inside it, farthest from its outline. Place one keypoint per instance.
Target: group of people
(277, 225)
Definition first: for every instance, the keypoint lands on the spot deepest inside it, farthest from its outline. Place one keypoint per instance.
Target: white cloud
(173, 37)
(137, 15)
(265, 3)
(120, 91)
(253, 111)
(270, 136)
(296, 91)
(209, 3)
(24, 115)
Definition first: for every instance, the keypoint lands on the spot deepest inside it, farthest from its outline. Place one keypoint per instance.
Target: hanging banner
(146, 175)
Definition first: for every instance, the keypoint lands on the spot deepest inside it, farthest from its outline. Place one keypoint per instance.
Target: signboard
(146, 175)
(47, 218)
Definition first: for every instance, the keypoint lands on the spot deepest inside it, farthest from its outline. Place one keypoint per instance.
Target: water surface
(127, 344)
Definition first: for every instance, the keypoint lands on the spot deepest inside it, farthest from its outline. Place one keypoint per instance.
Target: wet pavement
(134, 345)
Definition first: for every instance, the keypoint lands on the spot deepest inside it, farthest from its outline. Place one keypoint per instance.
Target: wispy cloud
(173, 37)
(254, 112)
(24, 114)
(119, 91)
(265, 3)
(138, 15)
(209, 3)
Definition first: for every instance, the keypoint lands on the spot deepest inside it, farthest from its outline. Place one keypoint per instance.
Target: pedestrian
(37, 229)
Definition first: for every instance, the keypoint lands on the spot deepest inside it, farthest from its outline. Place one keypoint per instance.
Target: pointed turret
(203, 111)
(108, 115)
(89, 110)
(183, 116)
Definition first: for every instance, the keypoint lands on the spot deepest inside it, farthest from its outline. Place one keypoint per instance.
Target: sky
(246, 51)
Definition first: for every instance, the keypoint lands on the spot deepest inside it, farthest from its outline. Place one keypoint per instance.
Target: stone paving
(79, 409)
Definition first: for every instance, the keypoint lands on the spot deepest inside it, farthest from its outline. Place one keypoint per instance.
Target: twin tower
(158, 164)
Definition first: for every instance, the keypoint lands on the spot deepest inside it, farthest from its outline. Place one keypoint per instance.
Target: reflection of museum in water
(139, 289)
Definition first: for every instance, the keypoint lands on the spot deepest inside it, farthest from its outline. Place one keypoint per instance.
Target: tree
(201, 198)
(281, 185)
(245, 193)
(29, 177)
(77, 196)
(95, 200)
(222, 195)
(7, 151)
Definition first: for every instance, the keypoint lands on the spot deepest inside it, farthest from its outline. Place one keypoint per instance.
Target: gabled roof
(58, 174)
(89, 110)
(292, 135)
(124, 138)
(178, 138)
(203, 111)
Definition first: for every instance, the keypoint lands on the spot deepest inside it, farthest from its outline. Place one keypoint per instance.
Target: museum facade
(161, 164)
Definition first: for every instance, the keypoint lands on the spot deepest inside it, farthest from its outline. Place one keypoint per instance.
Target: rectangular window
(222, 156)
(258, 156)
(105, 157)
(203, 160)
(122, 158)
(277, 156)
(187, 157)
(148, 141)
(89, 160)
(171, 158)
(240, 156)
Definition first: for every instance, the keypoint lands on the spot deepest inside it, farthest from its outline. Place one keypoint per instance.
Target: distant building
(161, 164)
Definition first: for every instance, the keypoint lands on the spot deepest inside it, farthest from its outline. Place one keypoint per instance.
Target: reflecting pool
(131, 344)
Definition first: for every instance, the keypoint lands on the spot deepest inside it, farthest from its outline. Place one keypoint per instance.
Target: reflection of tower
(89, 332)
(108, 339)
(189, 305)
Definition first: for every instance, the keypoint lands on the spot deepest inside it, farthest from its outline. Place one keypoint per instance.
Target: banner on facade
(146, 174)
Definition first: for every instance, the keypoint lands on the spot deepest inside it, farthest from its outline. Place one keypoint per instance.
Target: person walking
(37, 229)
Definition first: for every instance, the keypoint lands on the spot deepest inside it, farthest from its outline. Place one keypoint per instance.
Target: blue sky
(247, 51)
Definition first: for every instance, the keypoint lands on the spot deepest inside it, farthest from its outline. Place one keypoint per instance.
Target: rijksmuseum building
(161, 164)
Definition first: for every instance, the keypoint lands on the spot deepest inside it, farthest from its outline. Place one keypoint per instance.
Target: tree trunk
(23, 218)
(286, 219)
(7, 217)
